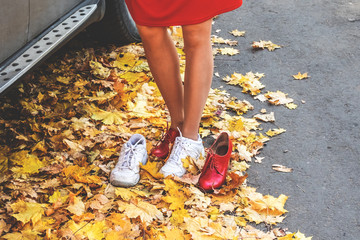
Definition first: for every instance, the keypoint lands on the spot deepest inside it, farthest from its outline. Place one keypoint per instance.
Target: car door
(44, 13)
(14, 21)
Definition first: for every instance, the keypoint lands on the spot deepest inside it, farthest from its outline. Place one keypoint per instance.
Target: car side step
(50, 41)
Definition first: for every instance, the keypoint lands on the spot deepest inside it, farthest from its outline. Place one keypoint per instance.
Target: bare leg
(164, 64)
(198, 75)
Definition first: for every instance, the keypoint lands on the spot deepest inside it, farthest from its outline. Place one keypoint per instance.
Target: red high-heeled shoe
(162, 150)
(213, 174)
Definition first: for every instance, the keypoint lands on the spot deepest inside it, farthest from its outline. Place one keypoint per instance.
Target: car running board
(47, 43)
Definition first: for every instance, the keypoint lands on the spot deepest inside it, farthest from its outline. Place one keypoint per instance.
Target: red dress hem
(186, 22)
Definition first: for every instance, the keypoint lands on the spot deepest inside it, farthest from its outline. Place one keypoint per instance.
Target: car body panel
(13, 37)
(44, 13)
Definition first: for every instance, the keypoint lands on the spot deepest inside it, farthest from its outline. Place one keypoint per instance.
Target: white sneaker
(127, 170)
(182, 148)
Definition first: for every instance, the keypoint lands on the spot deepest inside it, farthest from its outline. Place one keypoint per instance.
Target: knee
(196, 40)
(151, 33)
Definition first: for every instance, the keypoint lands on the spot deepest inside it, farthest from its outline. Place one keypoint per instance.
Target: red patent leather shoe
(162, 149)
(213, 174)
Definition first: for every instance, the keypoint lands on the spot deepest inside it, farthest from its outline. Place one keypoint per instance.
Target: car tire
(117, 26)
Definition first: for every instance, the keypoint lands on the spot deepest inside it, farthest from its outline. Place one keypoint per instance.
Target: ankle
(176, 125)
(190, 135)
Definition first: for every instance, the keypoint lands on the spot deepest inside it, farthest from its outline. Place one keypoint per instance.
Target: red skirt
(163, 13)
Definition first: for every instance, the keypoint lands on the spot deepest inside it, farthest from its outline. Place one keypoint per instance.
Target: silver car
(31, 30)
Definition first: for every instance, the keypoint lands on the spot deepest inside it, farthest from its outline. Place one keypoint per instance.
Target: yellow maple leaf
(240, 107)
(301, 76)
(76, 206)
(295, 236)
(93, 231)
(118, 219)
(176, 199)
(23, 235)
(29, 163)
(278, 98)
(274, 132)
(250, 82)
(301, 236)
(81, 174)
(98, 70)
(178, 215)
(27, 211)
(199, 228)
(220, 40)
(269, 204)
(146, 211)
(225, 228)
(74, 146)
(125, 193)
(217, 40)
(193, 165)
(107, 117)
(265, 44)
(268, 117)
(254, 216)
(238, 33)
(239, 166)
(228, 51)
(243, 152)
(173, 234)
(80, 123)
(241, 221)
(59, 195)
(171, 185)
(261, 208)
(129, 231)
(65, 80)
(291, 105)
(102, 97)
(141, 66)
(125, 61)
(134, 78)
(152, 169)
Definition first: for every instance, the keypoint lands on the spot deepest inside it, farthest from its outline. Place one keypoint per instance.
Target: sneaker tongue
(127, 160)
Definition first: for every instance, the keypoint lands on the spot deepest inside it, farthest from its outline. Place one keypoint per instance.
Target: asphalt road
(321, 144)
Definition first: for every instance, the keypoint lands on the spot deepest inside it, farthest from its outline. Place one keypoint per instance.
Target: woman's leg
(198, 75)
(164, 64)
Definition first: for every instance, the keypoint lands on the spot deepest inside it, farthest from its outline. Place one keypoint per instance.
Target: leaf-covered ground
(61, 134)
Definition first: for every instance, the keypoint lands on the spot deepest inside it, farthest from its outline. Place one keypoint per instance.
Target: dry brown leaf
(281, 168)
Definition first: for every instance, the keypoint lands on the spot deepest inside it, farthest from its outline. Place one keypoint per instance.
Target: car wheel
(117, 26)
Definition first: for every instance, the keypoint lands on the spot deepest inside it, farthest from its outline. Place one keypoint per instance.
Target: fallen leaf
(27, 211)
(152, 169)
(278, 98)
(146, 211)
(228, 51)
(281, 168)
(274, 132)
(76, 206)
(301, 76)
(291, 105)
(265, 44)
(270, 117)
(238, 33)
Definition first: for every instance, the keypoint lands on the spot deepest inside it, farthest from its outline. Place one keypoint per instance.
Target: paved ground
(321, 37)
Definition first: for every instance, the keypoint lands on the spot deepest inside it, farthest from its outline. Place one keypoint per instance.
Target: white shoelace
(129, 155)
(180, 147)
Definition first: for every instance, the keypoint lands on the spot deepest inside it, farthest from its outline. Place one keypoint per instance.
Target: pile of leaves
(61, 134)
